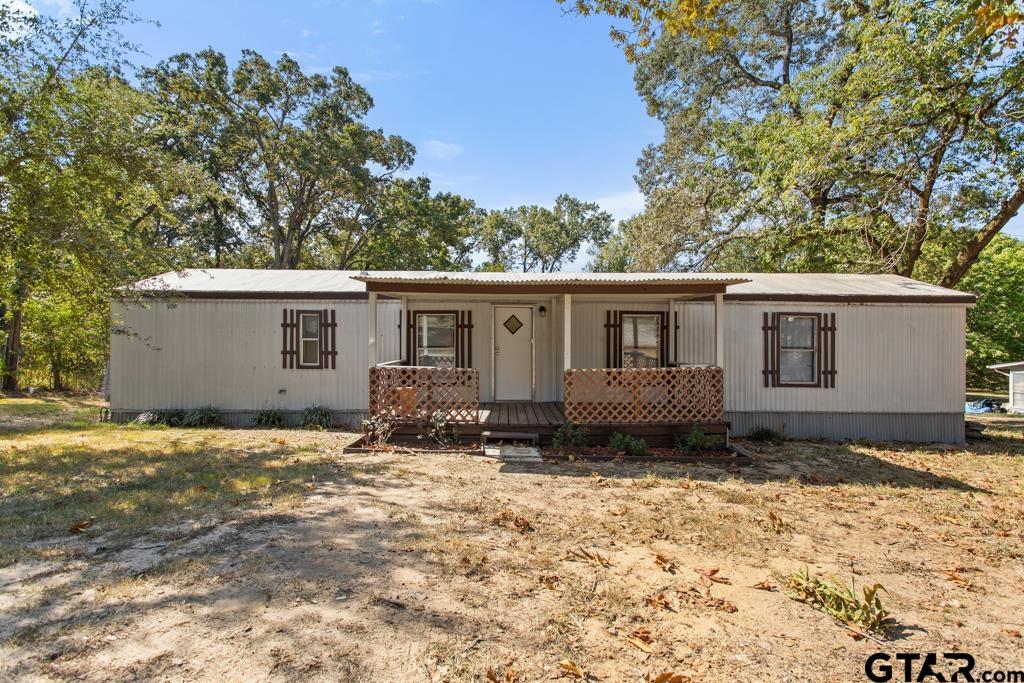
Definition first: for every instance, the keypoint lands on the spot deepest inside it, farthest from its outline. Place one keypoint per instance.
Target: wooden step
(509, 436)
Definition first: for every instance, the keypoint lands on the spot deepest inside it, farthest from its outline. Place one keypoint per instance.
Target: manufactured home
(1015, 374)
(832, 356)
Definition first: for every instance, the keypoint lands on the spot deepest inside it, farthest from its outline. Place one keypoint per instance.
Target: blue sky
(508, 102)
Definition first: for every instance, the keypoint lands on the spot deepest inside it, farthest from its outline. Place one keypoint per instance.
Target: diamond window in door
(512, 324)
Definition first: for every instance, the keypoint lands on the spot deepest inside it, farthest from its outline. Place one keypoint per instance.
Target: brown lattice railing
(644, 395)
(414, 393)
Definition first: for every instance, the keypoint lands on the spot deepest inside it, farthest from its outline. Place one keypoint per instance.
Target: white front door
(513, 353)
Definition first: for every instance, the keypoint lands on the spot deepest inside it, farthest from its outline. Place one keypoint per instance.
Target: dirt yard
(153, 553)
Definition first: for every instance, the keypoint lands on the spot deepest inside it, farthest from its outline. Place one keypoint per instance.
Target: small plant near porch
(377, 429)
(569, 437)
(440, 429)
(627, 445)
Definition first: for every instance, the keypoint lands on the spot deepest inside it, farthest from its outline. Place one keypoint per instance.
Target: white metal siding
(227, 353)
(1017, 391)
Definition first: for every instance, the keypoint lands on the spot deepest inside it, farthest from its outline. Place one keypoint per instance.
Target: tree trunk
(55, 374)
(969, 254)
(12, 349)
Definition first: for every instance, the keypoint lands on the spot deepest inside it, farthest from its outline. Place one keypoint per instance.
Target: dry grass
(437, 567)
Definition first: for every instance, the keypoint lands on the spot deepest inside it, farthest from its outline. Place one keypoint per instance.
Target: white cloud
(63, 6)
(440, 150)
(377, 75)
(306, 33)
(26, 12)
(377, 27)
(622, 205)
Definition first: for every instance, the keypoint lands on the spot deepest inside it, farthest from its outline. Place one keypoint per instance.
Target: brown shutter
(613, 339)
(289, 336)
(827, 334)
(663, 346)
(409, 332)
(328, 339)
(464, 339)
(770, 333)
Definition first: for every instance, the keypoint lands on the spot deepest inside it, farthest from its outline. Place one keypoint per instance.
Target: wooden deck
(522, 415)
(543, 419)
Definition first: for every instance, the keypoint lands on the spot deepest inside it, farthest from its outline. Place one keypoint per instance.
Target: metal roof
(473, 278)
(252, 281)
(741, 286)
(1007, 366)
(842, 285)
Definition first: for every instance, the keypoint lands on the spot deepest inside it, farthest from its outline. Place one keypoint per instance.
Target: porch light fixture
(543, 311)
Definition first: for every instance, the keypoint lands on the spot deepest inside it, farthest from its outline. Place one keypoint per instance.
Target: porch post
(372, 315)
(567, 332)
(402, 333)
(720, 330)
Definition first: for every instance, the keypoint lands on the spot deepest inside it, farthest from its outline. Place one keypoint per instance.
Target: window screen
(798, 349)
(309, 339)
(435, 339)
(641, 340)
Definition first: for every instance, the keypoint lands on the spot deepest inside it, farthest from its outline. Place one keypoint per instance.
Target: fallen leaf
(953, 576)
(1013, 633)
(549, 581)
(80, 526)
(571, 668)
(641, 639)
(763, 586)
(522, 524)
(577, 554)
(667, 677)
(666, 564)
(658, 601)
(712, 575)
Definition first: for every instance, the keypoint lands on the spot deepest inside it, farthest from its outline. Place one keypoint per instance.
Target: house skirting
(908, 427)
(351, 419)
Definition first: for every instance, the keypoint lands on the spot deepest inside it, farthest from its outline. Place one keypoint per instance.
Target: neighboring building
(821, 356)
(1015, 373)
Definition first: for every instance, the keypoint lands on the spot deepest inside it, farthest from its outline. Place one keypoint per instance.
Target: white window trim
(303, 338)
(813, 349)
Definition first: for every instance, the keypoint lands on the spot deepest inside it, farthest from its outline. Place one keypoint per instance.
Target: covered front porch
(530, 352)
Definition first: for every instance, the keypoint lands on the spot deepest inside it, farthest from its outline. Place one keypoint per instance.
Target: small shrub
(439, 429)
(765, 434)
(269, 418)
(628, 445)
(694, 442)
(171, 417)
(840, 602)
(315, 417)
(207, 416)
(377, 429)
(569, 437)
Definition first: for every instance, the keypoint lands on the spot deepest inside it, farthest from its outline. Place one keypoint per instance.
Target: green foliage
(627, 445)
(766, 435)
(207, 416)
(315, 417)
(832, 138)
(841, 602)
(377, 429)
(440, 430)
(531, 238)
(64, 340)
(995, 326)
(569, 436)
(270, 418)
(694, 442)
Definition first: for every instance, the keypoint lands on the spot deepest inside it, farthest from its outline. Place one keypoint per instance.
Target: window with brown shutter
(309, 339)
(799, 350)
(636, 339)
(440, 338)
